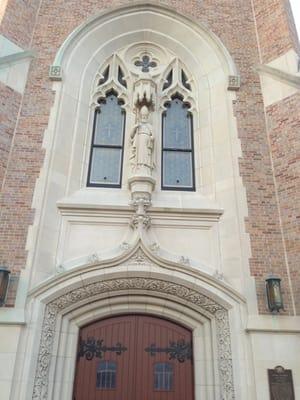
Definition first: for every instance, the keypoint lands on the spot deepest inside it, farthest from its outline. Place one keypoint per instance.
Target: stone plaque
(281, 384)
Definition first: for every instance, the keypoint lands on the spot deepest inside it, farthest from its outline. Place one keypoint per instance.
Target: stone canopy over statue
(142, 143)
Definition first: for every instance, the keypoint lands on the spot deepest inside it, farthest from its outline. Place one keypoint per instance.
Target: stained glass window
(163, 376)
(106, 375)
(107, 146)
(177, 146)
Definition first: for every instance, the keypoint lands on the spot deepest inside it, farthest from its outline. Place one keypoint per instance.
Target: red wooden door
(134, 357)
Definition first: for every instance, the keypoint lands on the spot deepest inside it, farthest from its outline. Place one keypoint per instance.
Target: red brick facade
(284, 128)
(276, 29)
(233, 22)
(10, 104)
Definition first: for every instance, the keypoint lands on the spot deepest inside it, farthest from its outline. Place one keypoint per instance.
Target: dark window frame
(191, 150)
(120, 147)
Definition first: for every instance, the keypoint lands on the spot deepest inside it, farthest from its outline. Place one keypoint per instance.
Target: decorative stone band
(57, 306)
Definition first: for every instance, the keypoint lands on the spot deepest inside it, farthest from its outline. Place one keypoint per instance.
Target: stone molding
(282, 76)
(16, 57)
(137, 6)
(193, 297)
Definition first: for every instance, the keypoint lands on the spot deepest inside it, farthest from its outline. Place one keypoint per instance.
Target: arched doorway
(134, 357)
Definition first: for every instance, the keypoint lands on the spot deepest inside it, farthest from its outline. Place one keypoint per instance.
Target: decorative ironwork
(145, 63)
(95, 348)
(180, 350)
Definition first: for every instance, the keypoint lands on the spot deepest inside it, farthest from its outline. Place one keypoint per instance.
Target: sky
(296, 9)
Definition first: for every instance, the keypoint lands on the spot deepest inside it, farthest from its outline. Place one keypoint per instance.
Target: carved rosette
(57, 306)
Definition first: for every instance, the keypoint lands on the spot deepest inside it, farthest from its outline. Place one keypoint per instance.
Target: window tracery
(152, 89)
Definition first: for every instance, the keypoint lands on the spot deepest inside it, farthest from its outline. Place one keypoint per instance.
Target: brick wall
(18, 20)
(232, 21)
(276, 28)
(9, 106)
(284, 128)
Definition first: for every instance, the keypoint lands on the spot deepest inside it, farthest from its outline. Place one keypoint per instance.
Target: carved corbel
(140, 219)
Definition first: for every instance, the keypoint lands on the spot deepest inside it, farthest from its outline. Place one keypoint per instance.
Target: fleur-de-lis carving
(145, 63)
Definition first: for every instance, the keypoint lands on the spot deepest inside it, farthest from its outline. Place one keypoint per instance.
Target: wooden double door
(134, 357)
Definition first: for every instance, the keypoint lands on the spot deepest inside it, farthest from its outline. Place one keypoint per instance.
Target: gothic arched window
(177, 146)
(106, 158)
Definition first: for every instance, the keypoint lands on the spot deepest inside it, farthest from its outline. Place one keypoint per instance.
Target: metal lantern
(4, 279)
(274, 295)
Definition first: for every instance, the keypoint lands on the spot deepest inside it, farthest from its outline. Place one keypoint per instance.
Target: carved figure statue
(142, 142)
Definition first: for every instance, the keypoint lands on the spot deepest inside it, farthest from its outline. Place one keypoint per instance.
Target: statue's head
(144, 113)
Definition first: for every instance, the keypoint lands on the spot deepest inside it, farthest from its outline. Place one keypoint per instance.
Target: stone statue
(142, 142)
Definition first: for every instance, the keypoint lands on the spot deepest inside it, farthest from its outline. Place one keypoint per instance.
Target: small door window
(106, 375)
(163, 376)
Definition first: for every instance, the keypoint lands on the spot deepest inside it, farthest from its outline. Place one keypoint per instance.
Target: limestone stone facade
(79, 253)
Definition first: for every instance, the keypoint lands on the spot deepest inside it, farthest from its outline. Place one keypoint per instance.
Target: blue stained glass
(177, 158)
(177, 170)
(177, 126)
(109, 123)
(106, 166)
(107, 147)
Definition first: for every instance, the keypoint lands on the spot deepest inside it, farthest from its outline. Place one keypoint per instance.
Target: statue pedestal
(141, 186)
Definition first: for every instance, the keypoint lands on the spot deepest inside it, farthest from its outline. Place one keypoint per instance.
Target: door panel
(162, 334)
(134, 357)
(112, 331)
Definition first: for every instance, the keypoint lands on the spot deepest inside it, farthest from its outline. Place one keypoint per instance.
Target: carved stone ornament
(94, 258)
(60, 268)
(55, 73)
(154, 247)
(145, 63)
(140, 218)
(184, 261)
(219, 275)
(125, 246)
(140, 258)
(234, 82)
(142, 144)
(55, 308)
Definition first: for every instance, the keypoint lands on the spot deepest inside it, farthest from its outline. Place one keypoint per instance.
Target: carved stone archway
(192, 297)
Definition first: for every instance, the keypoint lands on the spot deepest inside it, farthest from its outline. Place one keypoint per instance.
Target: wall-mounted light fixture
(274, 295)
(4, 279)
